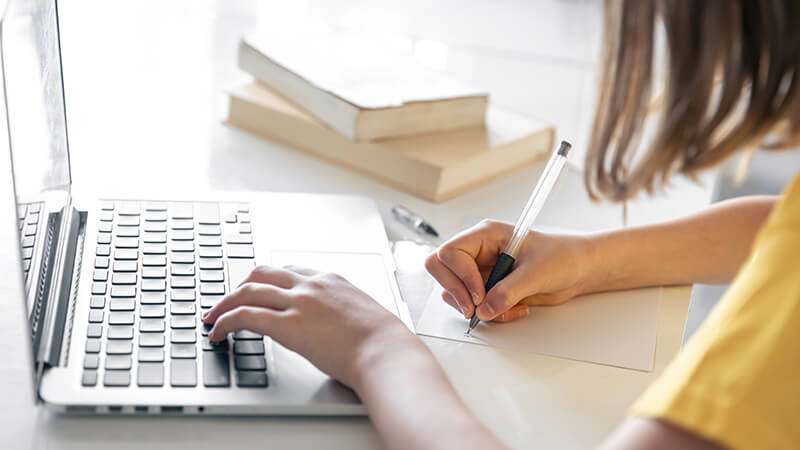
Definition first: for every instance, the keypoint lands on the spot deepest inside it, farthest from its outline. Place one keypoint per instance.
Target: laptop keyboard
(157, 268)
(28, 221)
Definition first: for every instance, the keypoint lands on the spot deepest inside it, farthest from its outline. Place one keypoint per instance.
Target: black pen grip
(501, 268)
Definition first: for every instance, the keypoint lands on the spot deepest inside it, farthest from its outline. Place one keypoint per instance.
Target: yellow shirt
(737, 381)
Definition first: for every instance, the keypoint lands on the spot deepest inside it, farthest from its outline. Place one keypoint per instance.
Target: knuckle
(447, 253)
(248, 289)
(261, 270)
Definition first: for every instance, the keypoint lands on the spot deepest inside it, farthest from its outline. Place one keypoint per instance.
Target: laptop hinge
(57, 308)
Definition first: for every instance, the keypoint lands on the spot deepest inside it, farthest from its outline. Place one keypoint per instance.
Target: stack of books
(359, 103)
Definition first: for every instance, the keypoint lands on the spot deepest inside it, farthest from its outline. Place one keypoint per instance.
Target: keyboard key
(123, 278)
(181, 308)
(212, 276)
(127, 232)
(102, 238)
(183, 372)
(210, 252)
(103, 250)
(251, 378)
(216, 370)
(98, 288)
(120, 332)
(94, 330)
(245, 228)
(238, 271)
(187, 337)
(186, 322)
(126, 254)
(182, 269)
(125, 266)
(34, 207)
(183, 351)
(107, 205)
(182, 246)
(104, 227)
(89, 378)
(182, 258)
(207, 213)
(155, 206)
(154, 238)
(246, 335)
(212, 288)
(123, 291)
(155, 216)
(250, 363)
(33, 219)
(243, 208)
(100, 275)
(211, 264)
(209, 230)
(182, 295)
(150, 374)
(206, 328)
(106, 216)
(126, 243)
(151, 340)
(239, 239)
(127, 221)
(244, 218)
(209, 241)
(154, 272)
(157, 285)
(95, 316)
(120, 318)
(101, 262)
(157, 227)
(240, 251)
(181, 210)
(27, 253)
(91, 362)
(93, 346)
(122, 304)
(181, 224)
(119, 348)
(231, 218)
(152, 312)
(182, 235)
(248, 347)
(118, 362)
(209, 346)
(152, 326)
(128, 208)
(208, 301)
(120, 378)
(154, 249)
(151, 354)
(154, 298)
(154, 260)
(97, 302)
(182, 282)
(28, 241)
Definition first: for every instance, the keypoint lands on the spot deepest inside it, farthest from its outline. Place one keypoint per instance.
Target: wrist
(604, 263)
(388, 349)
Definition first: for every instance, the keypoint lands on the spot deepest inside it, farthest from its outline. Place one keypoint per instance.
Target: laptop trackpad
(365, 270)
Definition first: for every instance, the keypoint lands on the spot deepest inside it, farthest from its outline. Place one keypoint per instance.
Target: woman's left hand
(323, 317)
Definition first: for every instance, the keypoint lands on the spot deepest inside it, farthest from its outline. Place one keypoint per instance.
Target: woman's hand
(549, 269)
(337, 327)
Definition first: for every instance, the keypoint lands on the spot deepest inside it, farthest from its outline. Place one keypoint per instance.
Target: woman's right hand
(549, 270)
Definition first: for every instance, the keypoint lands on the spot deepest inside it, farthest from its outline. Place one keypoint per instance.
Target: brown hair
(730, 81)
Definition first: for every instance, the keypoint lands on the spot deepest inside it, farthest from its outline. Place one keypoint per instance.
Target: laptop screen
(35, 97)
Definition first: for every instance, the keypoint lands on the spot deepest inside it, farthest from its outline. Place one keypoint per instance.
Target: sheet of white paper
(613, 328)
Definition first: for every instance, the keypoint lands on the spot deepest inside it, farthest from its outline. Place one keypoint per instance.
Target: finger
(305, 271)
(516, 312)
(450, 300)
(505, 294)
(250, 294)
(258, 320)
(449, 281)
(463, 265)
(282, 278)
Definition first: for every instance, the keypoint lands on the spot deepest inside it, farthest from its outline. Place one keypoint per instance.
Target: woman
(729, 86)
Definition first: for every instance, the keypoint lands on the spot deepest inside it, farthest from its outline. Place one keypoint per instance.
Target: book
(359, 86)
(435, 166)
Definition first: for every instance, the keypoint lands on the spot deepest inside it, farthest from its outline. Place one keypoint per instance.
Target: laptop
(114, 288)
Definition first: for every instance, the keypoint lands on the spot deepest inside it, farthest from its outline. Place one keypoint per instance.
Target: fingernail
(488, 311)
(475, 298)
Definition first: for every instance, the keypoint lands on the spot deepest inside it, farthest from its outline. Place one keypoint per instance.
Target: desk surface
(145, 85)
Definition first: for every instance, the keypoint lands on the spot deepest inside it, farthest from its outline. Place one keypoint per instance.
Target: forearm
(706, 247)
(413, 405)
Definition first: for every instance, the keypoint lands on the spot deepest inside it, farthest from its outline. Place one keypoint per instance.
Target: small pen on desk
(538, 197)
(418, 223)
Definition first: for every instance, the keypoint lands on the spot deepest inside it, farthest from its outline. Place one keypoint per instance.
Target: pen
(418, 223)
(538, 197)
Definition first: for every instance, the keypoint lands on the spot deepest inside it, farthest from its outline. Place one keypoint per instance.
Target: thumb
(506, 293)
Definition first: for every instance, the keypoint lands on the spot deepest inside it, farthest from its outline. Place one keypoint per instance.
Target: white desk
(144, 86)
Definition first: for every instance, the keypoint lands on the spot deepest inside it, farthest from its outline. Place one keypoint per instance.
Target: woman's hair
(730, 82)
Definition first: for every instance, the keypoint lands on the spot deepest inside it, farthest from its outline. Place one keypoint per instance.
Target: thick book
(434, 166)
(359, 86)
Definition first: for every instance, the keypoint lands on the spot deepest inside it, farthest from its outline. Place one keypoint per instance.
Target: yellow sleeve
(737, 381)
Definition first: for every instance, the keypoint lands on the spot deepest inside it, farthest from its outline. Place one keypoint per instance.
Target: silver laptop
(115, 288)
